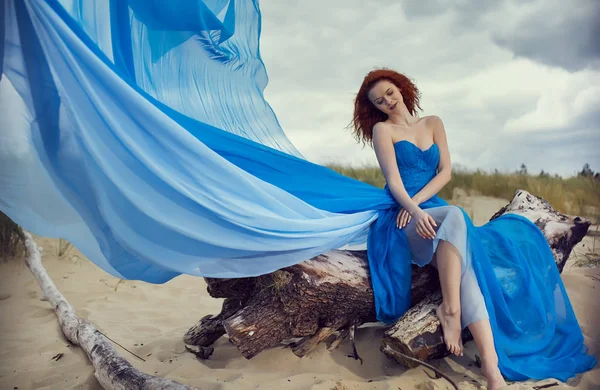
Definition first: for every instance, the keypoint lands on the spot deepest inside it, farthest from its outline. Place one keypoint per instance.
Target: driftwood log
(327, 297)
(111, 370)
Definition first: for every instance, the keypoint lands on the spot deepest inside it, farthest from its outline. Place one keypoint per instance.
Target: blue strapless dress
(509, 276)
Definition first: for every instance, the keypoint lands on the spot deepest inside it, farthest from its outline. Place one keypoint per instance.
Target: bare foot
(452, 330)
(492, 374)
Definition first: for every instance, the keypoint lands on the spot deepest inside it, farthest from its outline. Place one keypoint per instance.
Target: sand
(150, 321)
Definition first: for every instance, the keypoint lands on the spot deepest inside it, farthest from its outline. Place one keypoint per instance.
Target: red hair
(366, 115)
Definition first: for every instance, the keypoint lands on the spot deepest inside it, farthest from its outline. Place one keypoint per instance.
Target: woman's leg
(484, 339)
(448, 261)
(462, 302)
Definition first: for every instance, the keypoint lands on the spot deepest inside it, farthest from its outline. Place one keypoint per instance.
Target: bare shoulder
(434, 122)
(381, 126)
(381, 129)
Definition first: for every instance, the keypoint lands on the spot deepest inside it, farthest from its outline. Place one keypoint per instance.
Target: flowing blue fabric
(138, 131)
(155, 193)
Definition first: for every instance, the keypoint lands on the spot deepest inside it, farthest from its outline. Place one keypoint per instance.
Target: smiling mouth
(394, 106)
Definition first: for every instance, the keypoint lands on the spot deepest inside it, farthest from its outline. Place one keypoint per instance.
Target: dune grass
(11, 239)
(577, 195)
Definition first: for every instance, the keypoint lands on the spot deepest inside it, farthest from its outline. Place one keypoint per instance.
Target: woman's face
(385, 96)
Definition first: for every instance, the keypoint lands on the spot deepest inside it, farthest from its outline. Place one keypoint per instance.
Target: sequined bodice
(417, 167)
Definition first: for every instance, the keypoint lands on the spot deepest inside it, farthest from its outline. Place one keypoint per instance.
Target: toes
(456, 349)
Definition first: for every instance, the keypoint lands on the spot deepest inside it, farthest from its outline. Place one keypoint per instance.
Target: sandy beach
(150, 321)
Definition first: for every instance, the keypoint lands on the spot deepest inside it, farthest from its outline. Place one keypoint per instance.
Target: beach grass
(576, 195)
(11, 239)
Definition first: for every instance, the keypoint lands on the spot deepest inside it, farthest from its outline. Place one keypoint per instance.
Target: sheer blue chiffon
(160, 193)
(138, 131)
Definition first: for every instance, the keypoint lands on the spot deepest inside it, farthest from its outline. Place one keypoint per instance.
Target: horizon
(463, 169)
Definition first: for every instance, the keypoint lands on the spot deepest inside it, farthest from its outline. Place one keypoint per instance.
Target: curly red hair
(366, 115)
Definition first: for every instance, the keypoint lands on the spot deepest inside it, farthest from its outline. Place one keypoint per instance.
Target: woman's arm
(444, 175)
(386, 156)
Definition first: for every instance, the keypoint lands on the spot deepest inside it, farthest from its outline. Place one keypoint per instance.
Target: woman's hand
(424, 224)
(403, 218)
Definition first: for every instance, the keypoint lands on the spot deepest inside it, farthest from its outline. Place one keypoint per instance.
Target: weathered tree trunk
(562, 231)
(111, 370)
(325, 297)
(417, 334)
(329, 291)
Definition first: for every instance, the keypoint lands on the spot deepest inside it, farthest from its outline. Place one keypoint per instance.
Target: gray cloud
(499, 106)
(564, 152)
(564, 34)
(465, 11)
(553, 32)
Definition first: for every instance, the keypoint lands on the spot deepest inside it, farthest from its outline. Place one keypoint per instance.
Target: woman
(413, 155)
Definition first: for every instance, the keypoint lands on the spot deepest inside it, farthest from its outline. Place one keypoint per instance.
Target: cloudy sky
(513, 81)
